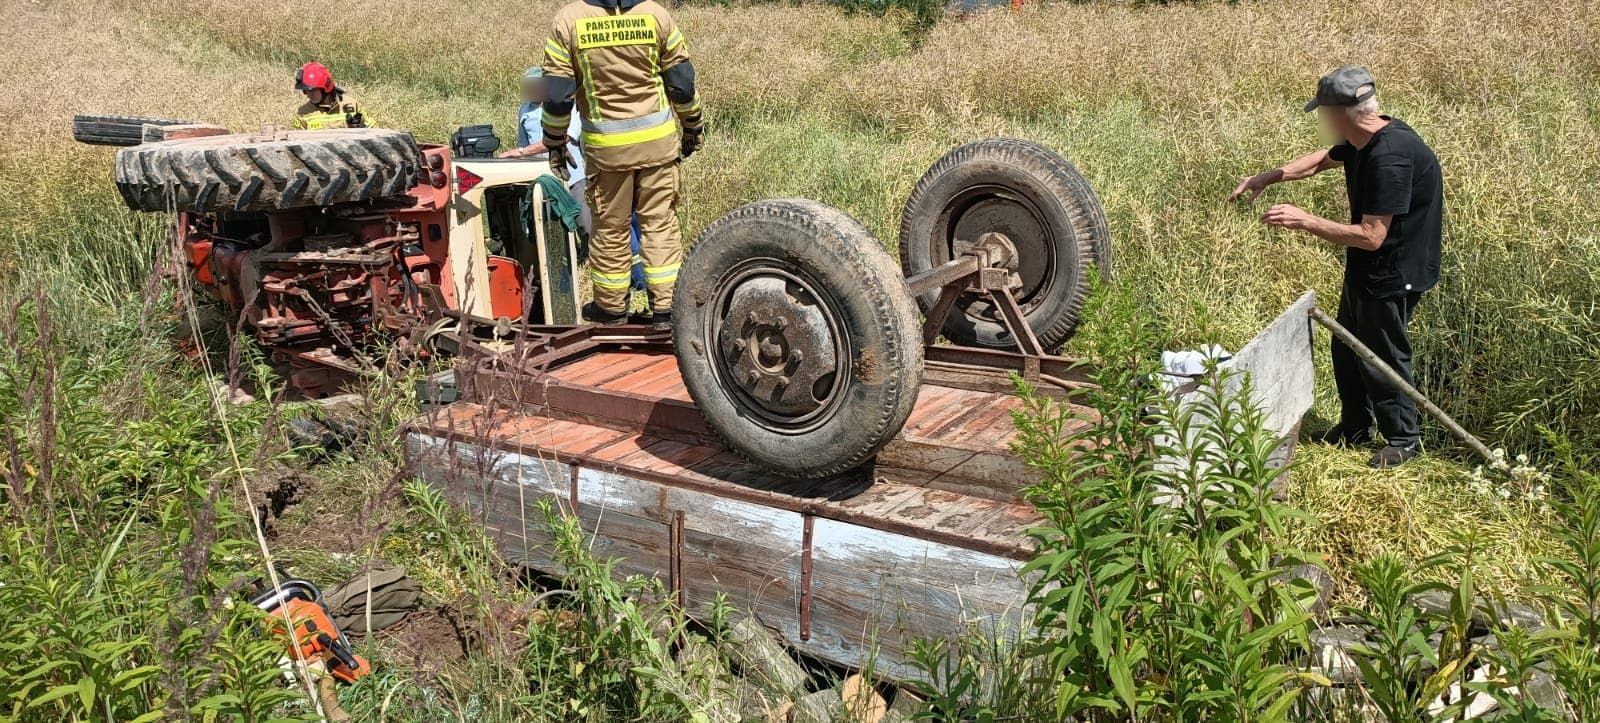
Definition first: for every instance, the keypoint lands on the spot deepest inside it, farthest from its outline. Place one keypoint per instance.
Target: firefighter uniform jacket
(341, 113)
(616, 54)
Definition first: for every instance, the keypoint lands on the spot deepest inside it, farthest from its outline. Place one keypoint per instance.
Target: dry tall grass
(1163, 107)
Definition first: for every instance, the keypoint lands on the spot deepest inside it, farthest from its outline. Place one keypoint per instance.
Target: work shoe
(1342, 436)
(593, 313)
(661, 320)
(1392, 456)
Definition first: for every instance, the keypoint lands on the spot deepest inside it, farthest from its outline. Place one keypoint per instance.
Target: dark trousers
(1363, 393)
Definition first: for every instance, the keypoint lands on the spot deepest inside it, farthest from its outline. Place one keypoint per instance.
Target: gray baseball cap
(1342, 88)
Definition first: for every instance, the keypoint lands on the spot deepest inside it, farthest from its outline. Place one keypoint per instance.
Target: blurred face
(533, 90)
(1335, 123)
(315, 95)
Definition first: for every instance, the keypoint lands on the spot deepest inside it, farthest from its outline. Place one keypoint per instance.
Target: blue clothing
(638, 260)
(530, 129)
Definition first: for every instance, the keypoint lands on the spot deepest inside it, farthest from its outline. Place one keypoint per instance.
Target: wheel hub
(777, 341)
(1014, 218)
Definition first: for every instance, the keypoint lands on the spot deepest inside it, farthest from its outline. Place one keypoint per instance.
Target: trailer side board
(868, 594)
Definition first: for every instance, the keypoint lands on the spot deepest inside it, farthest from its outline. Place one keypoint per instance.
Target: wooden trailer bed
(925, 543)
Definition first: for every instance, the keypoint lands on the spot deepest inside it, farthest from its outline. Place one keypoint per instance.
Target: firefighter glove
(694, 130)
(560, 156)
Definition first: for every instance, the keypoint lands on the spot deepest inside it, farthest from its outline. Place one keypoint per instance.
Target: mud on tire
(1042, 204)
(241, 173)
(797, 338)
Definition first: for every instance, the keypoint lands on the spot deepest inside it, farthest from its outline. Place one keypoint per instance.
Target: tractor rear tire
(115, 130)
(797, 337)
(243, 173)
(1041, 203)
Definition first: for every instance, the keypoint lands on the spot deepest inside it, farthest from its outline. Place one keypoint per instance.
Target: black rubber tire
(237, 173)
(1059, 200)
(864, 291)
(115, 130)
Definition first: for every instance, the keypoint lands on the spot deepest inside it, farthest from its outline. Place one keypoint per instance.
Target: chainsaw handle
(339, 651)
(287, 590)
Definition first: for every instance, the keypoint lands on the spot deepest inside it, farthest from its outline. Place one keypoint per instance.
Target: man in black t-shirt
(1391, 250)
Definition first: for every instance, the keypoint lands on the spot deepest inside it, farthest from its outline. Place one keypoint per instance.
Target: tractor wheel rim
(780, 347)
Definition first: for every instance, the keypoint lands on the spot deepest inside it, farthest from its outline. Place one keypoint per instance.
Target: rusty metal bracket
(1017, 324)
(987, 267)
(934, 323)
(809, 522)
(954, 273)
(675, 560)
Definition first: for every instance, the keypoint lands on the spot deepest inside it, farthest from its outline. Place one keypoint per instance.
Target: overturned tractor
(799, 338)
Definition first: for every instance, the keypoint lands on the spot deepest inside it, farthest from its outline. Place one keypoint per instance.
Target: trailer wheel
(797, 338)
(292, 169)
(1036, 199)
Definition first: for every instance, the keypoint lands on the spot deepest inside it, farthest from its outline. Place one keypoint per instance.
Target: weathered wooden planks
(1279, 364)
(956, 439)
(868, 592)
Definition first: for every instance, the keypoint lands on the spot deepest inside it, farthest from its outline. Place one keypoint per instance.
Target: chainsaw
(315, 637)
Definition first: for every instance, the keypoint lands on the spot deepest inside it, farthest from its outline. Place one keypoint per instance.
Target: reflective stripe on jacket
(343, 113)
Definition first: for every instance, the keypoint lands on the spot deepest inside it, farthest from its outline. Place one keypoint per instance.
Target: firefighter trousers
(614, 198)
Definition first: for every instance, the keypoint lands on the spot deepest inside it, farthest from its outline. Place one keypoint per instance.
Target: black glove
(694, 129)
(692, 141)
(560, 157)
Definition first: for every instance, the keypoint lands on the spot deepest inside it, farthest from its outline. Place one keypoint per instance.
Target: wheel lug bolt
(795, 356)
(739, 345)
(781, 323)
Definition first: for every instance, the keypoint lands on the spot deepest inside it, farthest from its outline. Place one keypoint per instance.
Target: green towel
(563, 204)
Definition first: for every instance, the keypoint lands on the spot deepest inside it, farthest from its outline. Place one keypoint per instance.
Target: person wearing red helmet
(327, 105)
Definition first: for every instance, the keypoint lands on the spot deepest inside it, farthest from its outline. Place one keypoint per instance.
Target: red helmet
(314, 75)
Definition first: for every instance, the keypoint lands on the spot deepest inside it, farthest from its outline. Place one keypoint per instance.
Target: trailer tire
(1041, 202)
(115, 130)
(797, 337)
(245, 173)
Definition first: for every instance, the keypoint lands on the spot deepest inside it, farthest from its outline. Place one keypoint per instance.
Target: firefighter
(626, 64)
(327, 105)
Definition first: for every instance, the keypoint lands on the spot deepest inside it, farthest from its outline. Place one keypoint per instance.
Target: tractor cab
(506, 227)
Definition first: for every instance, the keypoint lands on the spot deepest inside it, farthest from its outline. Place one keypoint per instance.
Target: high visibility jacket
(341, 113)
(616, 56)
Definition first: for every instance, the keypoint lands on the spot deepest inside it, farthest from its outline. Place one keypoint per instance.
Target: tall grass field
(1164, 107)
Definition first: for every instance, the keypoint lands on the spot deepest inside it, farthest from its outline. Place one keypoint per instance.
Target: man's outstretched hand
(1252, 186)
(1287, 215)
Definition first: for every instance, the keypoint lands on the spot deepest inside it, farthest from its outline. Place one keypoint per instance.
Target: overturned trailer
(802, 443)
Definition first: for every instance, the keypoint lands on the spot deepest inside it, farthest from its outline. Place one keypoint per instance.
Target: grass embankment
(1163, 108)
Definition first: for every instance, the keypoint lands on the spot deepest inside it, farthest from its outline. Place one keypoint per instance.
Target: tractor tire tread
(244, 173)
